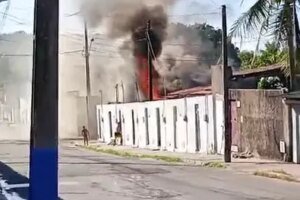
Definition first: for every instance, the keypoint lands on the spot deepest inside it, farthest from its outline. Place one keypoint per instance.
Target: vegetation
(272, 54)
(270, 83)
(128, 154)
(271, 18)
(276, 174)
(218, 165)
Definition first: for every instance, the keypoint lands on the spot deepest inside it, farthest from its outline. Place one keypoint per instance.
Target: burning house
(184, 124)
(122, 44)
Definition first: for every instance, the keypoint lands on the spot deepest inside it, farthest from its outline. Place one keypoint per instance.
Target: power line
(70, 52)
(12, 16)
(170, 15)
(174, 59)
(195, 14)
(30, 55)
(4, 16)
(15, 55)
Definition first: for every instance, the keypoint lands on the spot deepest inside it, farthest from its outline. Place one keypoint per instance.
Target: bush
(270, 83)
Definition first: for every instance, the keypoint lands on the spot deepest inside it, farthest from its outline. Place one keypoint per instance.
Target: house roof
(261, 71)
(196, 91)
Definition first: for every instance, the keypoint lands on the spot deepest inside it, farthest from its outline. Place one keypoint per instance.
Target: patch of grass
(276, 174)
(169, 159)
(218, 165)
(128, 154)
(281, 171)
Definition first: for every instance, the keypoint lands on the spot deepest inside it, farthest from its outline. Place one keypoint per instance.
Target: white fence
(181, 125)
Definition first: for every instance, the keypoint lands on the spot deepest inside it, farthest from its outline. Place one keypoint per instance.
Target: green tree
(267, 16)
(270, 17)
(272, 54)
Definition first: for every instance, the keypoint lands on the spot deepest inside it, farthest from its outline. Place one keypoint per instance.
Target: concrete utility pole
(44, 114)
(87, 68)
(226, 76)
(138, 99)
(295, 85)
(101, 98)
(150, 64)
(117, 92)
(123, 92)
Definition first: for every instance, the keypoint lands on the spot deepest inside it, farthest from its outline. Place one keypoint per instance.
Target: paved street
(92, 176)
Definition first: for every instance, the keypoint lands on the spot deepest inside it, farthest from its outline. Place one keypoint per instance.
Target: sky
(20, 14)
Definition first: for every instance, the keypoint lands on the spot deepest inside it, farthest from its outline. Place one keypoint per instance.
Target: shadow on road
(11, 177)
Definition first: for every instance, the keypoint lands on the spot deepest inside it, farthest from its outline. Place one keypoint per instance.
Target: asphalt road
(86, 175)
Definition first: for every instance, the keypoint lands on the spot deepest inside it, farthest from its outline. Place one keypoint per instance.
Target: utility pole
(101, 98)
(294, 82)
(165, 88)
(291, 47)
(138, 99)
(226, 76)
(117, 93)
(87, 68)
(123, 91)
(44, 105)
(150, 64)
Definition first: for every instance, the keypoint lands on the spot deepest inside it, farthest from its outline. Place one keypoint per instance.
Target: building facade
(181, 125)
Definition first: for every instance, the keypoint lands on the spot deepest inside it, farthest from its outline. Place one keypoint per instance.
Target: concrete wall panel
(167, 124)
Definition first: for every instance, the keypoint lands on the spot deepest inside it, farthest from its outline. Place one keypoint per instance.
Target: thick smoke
(179, 66)
(15, 85)
(130, 18)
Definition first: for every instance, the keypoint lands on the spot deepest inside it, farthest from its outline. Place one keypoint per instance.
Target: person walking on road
(86, 135)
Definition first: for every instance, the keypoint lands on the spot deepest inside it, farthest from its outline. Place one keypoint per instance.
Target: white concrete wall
(185, 139)
(296, 133)
(220, 131)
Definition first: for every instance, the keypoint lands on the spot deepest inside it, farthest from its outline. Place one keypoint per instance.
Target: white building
(192, 124)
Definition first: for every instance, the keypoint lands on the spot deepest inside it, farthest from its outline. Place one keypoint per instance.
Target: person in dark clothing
(86, 135)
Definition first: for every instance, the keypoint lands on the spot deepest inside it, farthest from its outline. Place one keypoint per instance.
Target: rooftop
(196, 91)
(261, 71)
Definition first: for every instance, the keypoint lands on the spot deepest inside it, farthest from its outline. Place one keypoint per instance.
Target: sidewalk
(244, 166)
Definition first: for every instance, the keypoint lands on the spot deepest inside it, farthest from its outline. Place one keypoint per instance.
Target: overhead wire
(170, 15)
(4, 16)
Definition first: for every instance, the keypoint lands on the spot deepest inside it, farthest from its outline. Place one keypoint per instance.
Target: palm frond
(279, 26)
(297, 30)
(252, 19)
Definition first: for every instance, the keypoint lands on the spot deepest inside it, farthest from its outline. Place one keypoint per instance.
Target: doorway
(110, 124)
(100, 124)
(158, 127)
(147, 126)
(133, 127)
(175, 112)
(197, 128)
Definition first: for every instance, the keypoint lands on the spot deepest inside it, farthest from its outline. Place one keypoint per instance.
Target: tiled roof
(258, 71)
(196, 91)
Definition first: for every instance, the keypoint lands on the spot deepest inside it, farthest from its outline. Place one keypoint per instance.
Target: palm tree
(271, 18)
(267, 17)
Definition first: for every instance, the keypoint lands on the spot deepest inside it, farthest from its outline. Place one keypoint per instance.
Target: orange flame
(143, 78)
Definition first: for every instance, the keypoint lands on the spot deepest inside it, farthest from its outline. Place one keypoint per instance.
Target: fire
(143, 78)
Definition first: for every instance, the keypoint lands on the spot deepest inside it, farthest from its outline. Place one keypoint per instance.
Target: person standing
(86, 135)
